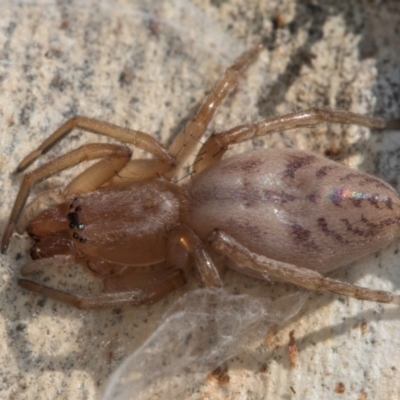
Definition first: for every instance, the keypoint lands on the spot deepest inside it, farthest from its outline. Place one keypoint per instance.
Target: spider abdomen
(295, 207)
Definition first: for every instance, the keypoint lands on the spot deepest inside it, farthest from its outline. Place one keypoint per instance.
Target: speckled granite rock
(147, 66)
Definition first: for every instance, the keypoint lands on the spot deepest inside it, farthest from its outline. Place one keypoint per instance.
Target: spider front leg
(115, 157)
(303, 277)
(217, 144)
(139, 139)
(148, 289)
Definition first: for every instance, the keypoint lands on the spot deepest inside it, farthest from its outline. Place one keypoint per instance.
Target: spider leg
(141, 169)
(116, 157)
(217, 144)
(307, 278)
(184, 143)
(139, 139)
(182, 241)
(161, 286)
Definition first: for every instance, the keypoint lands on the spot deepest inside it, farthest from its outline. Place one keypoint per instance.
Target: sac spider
(287, 214)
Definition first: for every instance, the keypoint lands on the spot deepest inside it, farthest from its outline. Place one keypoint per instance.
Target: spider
(288, 214)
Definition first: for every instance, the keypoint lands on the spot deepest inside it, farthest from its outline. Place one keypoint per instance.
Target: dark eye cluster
(74, 223)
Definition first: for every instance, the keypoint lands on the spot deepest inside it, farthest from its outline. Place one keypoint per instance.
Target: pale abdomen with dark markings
(295, 207)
